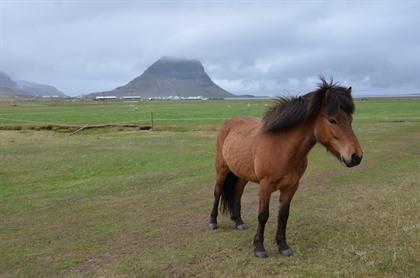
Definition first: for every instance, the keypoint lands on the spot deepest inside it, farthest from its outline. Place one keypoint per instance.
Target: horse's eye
(332, 121)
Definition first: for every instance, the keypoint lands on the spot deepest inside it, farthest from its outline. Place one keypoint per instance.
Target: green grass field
(124, 202)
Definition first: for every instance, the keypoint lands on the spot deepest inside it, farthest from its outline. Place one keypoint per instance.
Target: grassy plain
(125, 202)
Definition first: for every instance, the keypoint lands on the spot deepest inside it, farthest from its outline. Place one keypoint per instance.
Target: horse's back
(239, 127)
(236, 145)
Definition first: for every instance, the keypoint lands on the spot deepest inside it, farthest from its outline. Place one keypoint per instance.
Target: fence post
(151, 117)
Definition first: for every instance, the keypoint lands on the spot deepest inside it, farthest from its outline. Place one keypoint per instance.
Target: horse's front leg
(286, 196)
(263, 213)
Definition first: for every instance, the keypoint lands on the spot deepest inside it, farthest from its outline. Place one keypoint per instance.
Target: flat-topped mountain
(171, 77)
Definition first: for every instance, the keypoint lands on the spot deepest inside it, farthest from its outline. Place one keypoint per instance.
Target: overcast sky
(264, 48)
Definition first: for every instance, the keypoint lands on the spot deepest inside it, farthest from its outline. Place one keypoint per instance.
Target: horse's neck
(303, 139)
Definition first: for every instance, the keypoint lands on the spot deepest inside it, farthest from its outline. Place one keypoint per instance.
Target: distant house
(48, 96)
(131, 97)
(105, 97)
(196, 98)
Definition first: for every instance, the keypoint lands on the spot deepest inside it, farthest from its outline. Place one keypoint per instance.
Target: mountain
(7, 82)
(171, 77)
(39, 90)
(9, 93)
(9, 88)
(12, 89)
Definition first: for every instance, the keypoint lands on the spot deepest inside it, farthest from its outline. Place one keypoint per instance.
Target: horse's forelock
(339, 99)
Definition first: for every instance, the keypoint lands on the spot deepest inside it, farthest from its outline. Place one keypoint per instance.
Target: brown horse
(273, 153)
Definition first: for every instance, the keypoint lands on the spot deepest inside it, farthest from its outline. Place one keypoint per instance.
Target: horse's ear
(349, 90)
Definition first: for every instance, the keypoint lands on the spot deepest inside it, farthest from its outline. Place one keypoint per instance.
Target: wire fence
(10, 123)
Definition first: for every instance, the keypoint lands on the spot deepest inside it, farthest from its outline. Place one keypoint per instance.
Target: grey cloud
(265, 49)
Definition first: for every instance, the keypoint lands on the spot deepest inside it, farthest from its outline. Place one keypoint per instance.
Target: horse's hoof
(212, 226)
(261, 254)
(241, 227)
(286, 252)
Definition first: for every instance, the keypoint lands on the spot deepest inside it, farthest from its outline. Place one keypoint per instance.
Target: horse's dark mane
(290, 111)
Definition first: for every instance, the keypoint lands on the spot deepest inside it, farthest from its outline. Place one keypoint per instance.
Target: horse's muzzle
(354, 161)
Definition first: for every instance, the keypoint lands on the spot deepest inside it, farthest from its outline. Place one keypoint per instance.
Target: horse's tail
(228, 189)
(228, 194)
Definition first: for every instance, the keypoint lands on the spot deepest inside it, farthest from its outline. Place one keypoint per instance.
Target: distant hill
(170, 77)
(12, 89)
(9, 93)
(9, 88)
(39, 90)
(7, 82)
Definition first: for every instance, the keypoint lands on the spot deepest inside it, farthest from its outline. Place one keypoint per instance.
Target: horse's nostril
(355, 158)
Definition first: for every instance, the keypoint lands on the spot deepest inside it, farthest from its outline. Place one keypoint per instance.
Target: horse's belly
(238, 154)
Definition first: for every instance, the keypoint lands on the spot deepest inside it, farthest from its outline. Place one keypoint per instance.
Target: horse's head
(333, 126)
(330, 107)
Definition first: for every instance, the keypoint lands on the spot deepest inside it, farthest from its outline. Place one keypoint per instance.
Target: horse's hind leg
(236, 212)
(220, 180)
